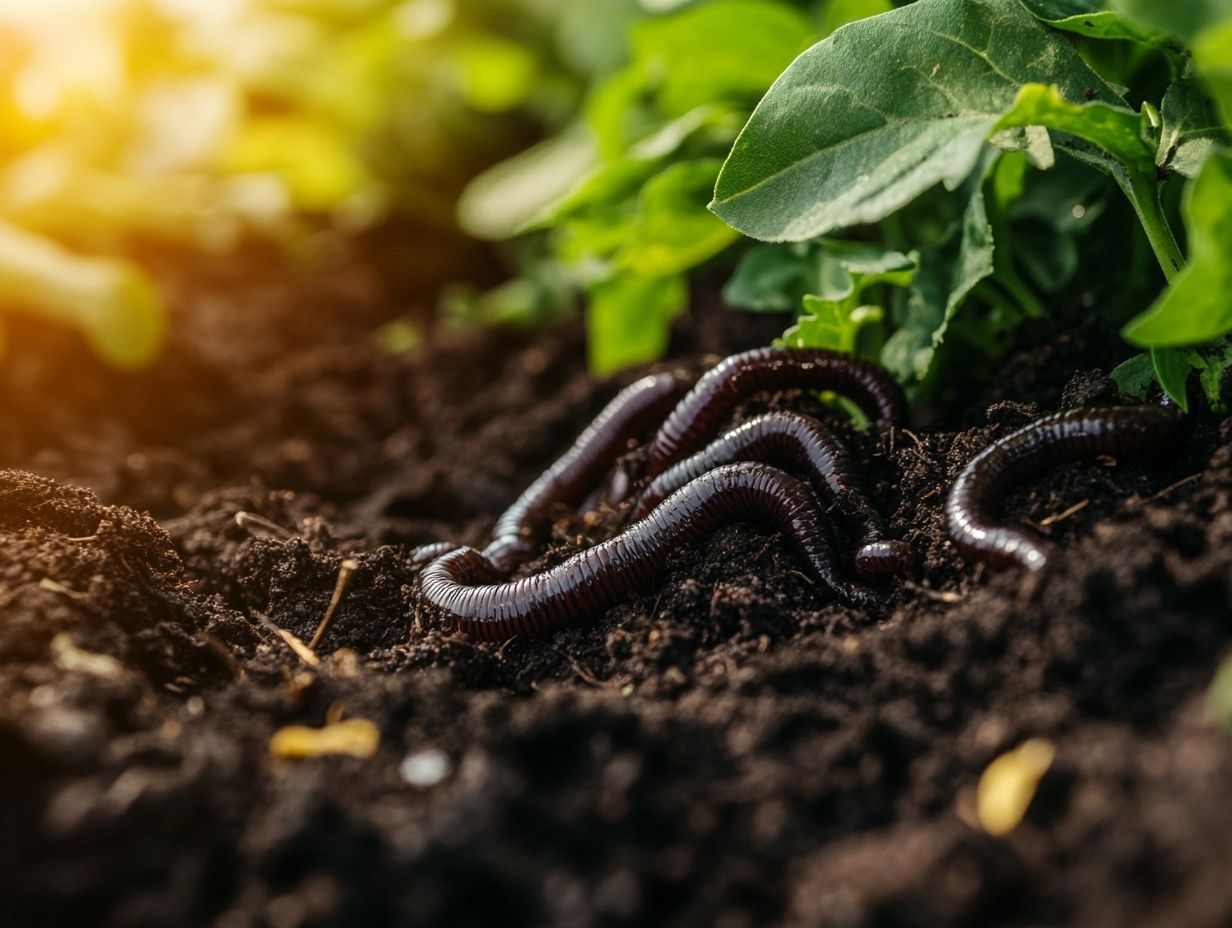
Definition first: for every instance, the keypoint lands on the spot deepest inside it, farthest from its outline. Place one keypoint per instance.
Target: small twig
(250, 520)
(941, 596)
(298, 648)
(1176, 486)
(55, 586)
(345, 569)
(1062, 516)
(803, 576)
(920, 451)
(583, 674)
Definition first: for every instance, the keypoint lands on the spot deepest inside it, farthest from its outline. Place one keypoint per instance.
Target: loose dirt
(730, 749)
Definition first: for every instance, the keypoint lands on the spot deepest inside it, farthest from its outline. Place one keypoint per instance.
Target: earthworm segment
(711, 402)
(633, 412)
(970, 509)
(477, 597)
(801, 445)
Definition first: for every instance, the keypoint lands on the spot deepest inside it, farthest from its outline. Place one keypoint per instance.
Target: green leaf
(1135, 376)
(1212, 51)
(629, 319)
(947, 274)
(831, 324)
(1198, 306)
(1184, 19)
(619, 179)
(885, 108)
(673, 231)
(1091, 18)
(1172, 368)
(775, 278)
(112, 303)
(722, 50)
(841, 273)
(501, 201)
(769, 279)
(1115, 129)
(1217, 361)
(1191, 128)
(846, 269)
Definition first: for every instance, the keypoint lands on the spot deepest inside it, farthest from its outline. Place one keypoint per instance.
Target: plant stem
(1143, 191)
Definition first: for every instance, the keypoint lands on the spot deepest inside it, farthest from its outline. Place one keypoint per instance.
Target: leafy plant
(954, 108)
(616, 204)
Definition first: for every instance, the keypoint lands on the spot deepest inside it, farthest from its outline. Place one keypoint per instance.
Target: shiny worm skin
(631, 413)
(802, 445)
(476, 597)
(716, 395)
(970, 508)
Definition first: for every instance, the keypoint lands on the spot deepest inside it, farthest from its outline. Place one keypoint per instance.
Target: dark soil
(732, 749)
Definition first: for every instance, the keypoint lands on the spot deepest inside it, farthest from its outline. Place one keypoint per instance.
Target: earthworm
(477, 598)
(802, 445)
(734, 379)
(630, 413)
(425, 554)
(1062, 437)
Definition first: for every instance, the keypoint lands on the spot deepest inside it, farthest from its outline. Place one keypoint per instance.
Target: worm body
(477, 598)
(802, 445)
(735, 379)
(425, 554)
(970, 508)
(632, 412)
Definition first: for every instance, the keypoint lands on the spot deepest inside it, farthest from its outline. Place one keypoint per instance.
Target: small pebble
(425, 768)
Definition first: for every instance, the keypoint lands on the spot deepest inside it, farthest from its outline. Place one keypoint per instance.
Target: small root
(345, 569)
(256, 525)
(1062, 516)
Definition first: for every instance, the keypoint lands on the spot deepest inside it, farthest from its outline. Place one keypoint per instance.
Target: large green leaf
(1091, 18)
(1198, 306)
(885, 108)
(1191, 128)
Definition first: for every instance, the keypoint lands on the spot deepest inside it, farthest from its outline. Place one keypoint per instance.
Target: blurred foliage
(614, 207)
(205, 123)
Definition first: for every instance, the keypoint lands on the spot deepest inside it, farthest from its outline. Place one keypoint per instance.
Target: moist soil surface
(731, 748)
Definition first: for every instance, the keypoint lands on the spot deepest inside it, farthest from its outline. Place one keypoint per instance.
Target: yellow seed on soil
(1008, 785)
(353, 737)
(1219, 696)
(70, 657)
